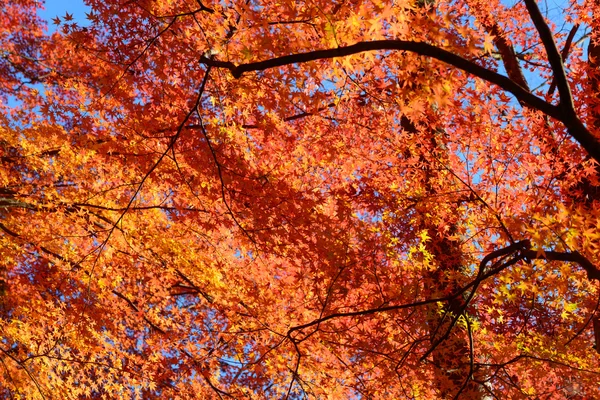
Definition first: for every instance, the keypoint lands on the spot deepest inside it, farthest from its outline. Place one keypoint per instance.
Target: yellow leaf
(488, 44)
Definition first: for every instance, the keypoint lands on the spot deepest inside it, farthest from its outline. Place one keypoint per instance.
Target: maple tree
(258, 199)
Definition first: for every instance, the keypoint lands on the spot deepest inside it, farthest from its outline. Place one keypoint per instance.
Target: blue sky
(58, 8)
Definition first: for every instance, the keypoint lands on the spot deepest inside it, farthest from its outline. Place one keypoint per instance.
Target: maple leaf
(91, 16)
(340, 198)
(488, 44)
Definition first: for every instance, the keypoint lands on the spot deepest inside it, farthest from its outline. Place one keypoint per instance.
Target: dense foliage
(300, 199)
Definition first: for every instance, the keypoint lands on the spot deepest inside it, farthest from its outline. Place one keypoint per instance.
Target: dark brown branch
(596, 323)
(419, 48)
(509, 57)
(592, 271)
(205, 8)
(193, 286)
(519, 246)
(554, 57)
(366, 312)
(9, 231)
(481, 276)
(297, 21)
(582, 135)
(564, 55)
(564, 113)
(521, 357)
(523, 251)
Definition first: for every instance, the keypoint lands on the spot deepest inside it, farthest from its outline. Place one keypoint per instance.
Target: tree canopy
(300, 200)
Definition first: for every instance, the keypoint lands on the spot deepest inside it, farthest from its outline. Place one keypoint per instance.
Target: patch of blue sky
(60, 8)
(50, 10)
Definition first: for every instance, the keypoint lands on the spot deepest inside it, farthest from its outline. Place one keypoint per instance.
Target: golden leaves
(307, 229)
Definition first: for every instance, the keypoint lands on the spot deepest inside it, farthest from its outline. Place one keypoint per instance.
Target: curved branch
(554, 57)
(574, 125)
(420, 48)
(564, 113)
(366, 312)
(519, 246)
(592, 271)
(521, 250)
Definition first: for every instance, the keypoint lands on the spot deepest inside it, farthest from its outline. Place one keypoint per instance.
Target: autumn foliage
(300, 199)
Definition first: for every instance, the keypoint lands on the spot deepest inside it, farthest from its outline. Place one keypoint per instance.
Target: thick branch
(565, 113)
(567, 109)
(564, 54)
(420, 48)
(594, 77)
(554, 57)
(204, 8)
(592, 271)
(525, 252)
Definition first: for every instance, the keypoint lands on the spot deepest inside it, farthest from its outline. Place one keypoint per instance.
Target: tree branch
(366, 312)
(554, 57)
(523, 250)
(137, 310)
(564, 112)
(508, 55)
(592, 271)
(564, 54)
(420, 48)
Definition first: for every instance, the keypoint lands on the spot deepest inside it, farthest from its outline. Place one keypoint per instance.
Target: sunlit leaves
(314, 230)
